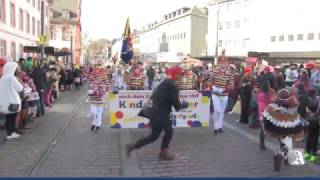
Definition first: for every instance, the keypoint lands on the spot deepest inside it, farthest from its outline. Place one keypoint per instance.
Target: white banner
(124, 107)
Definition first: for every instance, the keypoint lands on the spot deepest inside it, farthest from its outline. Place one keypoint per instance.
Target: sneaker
(97, 129)
(312, 158)
(93, 127)
(13, 136)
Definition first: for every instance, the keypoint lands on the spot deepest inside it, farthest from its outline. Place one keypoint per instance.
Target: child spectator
(313, 132)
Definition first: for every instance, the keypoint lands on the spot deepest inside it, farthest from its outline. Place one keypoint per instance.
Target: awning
(307, 55)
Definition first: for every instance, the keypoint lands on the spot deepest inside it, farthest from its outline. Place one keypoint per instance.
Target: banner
(124, 107)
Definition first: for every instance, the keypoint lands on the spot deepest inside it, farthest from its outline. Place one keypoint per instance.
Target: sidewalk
(19, 156)
(253, 134)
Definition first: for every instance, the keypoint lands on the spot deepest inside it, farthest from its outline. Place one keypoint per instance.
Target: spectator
(246, 87)
(10, 102)
(52, 78)
(313, 133)
(40, 80)
(150, 74)
(291, 76)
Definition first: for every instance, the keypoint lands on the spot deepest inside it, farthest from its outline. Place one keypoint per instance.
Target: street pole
(217, 35)
(42, 30)
(71, 48)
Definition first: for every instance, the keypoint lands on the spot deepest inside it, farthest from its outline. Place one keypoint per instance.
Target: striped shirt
(222, 79)
(136, 83)
(187, 82)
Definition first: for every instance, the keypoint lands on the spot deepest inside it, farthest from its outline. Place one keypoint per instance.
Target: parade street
(60, 144)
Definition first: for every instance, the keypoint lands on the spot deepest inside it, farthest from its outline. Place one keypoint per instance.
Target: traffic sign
(43, 40)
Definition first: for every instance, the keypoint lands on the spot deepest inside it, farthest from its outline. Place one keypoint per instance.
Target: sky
(107, 18)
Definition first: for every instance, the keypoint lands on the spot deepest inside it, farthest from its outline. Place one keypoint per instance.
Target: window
(319, 36)
(65, 34)
(33, 26)
(21, 51)
(39, 5)
(28, 1)
(281, 38)
(66, 14)
(290, 37)
(300, 37)
(34, 3)
(2, 11)
(311, 36)
(13, 50)
(237, 24)
(12, 15)
(3, 48)
(228, 25)
(246, 42)
(273, 39)
(38, 28)
(220, 26)
(28, 23)
(184, 35)
(220, 43)
(21, 20)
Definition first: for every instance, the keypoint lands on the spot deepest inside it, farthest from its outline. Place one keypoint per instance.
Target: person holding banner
(221, 82)
(163, 98)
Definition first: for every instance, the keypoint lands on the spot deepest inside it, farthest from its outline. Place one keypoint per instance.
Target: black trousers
(245, 95)
(312, 141)
(10, 123)
(154, 135)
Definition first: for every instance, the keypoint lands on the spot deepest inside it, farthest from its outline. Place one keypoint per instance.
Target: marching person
(221, 81)
(163, 98)
(98, 87)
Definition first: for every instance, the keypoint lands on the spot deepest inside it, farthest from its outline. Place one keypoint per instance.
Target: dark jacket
(40, 78)
(163, 98)
(303, 103)
(151, 73)
(267, 77)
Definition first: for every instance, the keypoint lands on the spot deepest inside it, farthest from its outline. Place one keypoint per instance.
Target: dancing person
(163, 98)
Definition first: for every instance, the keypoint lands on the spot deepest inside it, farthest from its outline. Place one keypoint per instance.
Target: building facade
(181, 32)
(65, 29)
(271, 26)
(20, 26)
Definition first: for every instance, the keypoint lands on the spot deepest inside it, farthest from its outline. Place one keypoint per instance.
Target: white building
(283, 28)
(19, 26)
(182, 32)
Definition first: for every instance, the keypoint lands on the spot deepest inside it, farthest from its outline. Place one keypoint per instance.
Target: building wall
(183, 34)
(10, 35)
(199, 30)
(265, 26)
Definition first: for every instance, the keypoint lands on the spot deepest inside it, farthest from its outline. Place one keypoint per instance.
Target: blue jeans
(40, 105)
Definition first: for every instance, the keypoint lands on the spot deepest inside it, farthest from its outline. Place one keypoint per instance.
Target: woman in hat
(246, 86)
(281, 121)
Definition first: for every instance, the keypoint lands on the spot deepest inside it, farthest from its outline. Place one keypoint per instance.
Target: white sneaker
(15, 135)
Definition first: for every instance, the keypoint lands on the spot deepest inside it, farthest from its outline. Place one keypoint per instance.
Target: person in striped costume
(136, 79)
(98, 86)
(188, 81)
(221, 81)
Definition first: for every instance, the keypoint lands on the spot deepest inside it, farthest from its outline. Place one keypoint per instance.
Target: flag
(127, 49)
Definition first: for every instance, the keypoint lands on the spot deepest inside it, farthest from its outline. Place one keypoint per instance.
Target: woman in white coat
(10, 102)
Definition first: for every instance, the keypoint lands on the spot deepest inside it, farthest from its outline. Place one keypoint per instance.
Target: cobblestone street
(62, 145)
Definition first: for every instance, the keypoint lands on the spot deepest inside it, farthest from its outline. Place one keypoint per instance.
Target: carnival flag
(127, 49)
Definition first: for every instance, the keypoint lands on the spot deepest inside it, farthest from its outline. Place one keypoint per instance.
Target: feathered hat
(173, 72)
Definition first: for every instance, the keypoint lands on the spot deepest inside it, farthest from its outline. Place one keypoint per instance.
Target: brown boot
(165, 156)
(129, 149)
